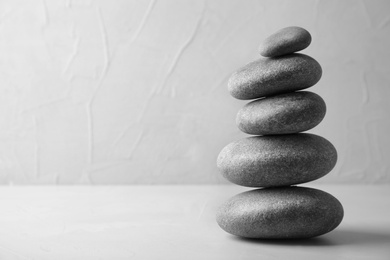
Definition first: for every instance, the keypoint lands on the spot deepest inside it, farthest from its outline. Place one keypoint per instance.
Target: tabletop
(173, 222)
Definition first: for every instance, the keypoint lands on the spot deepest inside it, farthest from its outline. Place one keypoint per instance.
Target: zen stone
(277, 160)
(271, 76)
(282, 114)
(285, 41)
(280, 213)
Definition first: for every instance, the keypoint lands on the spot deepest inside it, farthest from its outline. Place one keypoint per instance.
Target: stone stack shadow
(279, 155)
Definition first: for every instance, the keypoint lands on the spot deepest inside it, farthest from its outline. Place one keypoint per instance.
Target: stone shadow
(337, 237)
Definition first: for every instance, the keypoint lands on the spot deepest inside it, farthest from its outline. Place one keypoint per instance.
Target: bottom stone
(280, 213)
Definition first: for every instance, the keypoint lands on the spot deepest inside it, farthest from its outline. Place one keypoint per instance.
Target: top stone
(285, 41)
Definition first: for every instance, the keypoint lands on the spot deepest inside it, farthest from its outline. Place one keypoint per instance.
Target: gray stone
(277, 160)
(271, 76)
(285, 41)
(282, 114)
(280, 213)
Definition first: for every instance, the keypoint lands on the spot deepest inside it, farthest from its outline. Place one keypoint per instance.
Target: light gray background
(131, 92)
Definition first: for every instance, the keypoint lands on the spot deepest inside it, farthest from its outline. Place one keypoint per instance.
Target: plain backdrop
(135, 92)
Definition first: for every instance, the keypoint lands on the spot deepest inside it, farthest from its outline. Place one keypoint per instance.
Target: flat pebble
(277, 160)
(285, 41)
(271, 76)
(280, 213)
(282, 114)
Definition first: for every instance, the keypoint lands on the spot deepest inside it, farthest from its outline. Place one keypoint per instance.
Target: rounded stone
(282, 114)
(277, 160)
(280, 213)
(271, 76)
(285, 41)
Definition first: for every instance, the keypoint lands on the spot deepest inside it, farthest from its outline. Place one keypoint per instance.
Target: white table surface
(173, 222)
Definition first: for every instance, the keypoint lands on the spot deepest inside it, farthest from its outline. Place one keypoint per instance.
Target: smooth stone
(277, 160)
(285, 41)
(282, 114)
(271, 76)
(280, 213)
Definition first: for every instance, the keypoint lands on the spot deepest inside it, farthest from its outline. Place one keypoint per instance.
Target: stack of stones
(279, 155)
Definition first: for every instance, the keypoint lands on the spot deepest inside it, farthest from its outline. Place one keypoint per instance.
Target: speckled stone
(282, 114)
(285, 41)
(271, 76)
(280, 213)
(277, 160)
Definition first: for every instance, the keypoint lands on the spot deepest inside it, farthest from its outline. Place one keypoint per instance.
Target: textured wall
(125, 91)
